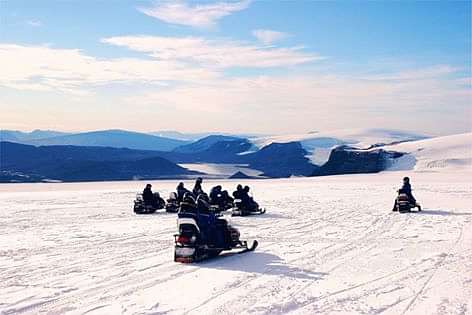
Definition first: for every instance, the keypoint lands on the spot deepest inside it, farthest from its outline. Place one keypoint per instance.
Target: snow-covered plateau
(327, 245)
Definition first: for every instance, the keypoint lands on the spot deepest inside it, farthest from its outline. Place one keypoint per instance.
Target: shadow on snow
(442, 212)
(263, 263)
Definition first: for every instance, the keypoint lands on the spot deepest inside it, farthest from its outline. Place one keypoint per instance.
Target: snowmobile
(204, 234)
(240, 210)
(403, 204)
(218, 208)
(140, 207)
(173, 203)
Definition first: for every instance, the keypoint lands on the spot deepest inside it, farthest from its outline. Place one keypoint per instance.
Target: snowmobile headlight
(193, 239)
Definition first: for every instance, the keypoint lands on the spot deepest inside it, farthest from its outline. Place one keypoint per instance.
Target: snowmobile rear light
(182, 239)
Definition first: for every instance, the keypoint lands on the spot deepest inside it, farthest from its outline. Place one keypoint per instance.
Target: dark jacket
(215, 195)
(197, 189)
(148, 196)
(406, 189)
(181, 192)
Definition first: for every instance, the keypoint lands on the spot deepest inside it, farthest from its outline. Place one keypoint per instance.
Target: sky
(270, 67)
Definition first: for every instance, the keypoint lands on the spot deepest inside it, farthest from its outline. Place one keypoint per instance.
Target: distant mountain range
(105, 138)
(20, 162)
(118, 154)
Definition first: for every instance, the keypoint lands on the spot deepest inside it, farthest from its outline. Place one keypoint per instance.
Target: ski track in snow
(326, 245)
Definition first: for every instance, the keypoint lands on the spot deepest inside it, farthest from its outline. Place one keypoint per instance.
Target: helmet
(406, 179)
(189, 198)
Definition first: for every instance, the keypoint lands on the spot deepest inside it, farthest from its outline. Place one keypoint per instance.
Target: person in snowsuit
(215, 195)
(188, 203)
(237, 193)
(220, 197)
(406, 189)
(203, 203)
(248, 201)
(197, 189)
(181, 191)
(149, 197)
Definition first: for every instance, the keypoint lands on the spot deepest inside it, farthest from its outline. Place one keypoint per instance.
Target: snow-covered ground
(328, 245)
(441, 153)
(319, 144)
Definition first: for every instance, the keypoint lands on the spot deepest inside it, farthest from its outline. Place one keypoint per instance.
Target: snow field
(328, 245)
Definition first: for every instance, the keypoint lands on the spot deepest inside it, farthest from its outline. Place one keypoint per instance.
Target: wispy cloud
(34, 23)
(70, 70)
(198, 15)
(299, 102)
(214, 53)
(268, 37)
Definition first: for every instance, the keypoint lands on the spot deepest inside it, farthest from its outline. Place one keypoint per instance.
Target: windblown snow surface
(328, 245)
(449, 152)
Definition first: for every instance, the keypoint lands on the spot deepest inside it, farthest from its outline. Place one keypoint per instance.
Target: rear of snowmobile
(173, 203)
(140, 207)
(240, 211)
(403, 204)
(192, 245)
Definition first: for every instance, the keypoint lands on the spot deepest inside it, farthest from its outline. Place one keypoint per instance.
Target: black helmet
(239, 187)
(199, 180)
(181, 185)
(406, 179)
(189, 198)
(203, 198)
(148, 185)
(246, 188)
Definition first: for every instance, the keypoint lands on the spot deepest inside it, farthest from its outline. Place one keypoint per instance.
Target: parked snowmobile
(172, 203)
(140, 207)
(240, 210)
(218, 208)
(403, 203)
(204, 234)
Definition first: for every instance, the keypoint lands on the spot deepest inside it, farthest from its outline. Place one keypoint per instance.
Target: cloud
(34, 23)
(214, 53)
(199, 15)
(303, 102)
(268, 37)
(70, 70)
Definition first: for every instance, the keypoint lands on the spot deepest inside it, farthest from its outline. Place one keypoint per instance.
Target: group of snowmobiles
(202, 231)
(219, 200)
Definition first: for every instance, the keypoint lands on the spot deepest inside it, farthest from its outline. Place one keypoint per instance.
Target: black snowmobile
(173, 203)
(403, 203)
(140, 207)
(204, 234)
(240, 209)
(218, 208)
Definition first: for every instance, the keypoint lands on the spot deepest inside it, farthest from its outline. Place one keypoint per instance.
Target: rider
(197, 189)
(181, 191)
(239, 190)
(149, 197)
(248, 201)
(220, 197)
(406, 189)
(215, 195)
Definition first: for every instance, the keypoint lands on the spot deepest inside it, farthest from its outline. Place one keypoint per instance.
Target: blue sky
(251, 66)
